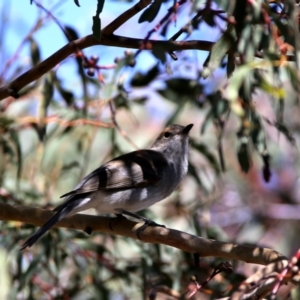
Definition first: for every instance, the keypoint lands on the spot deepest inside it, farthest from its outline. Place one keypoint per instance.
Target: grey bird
(130, 182)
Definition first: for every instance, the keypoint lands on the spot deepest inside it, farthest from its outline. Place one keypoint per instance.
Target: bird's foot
(88, 230)
(113, 220)
(147, 223)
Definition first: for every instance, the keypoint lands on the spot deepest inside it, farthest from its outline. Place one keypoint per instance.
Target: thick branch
(42, 68)
(178, 239)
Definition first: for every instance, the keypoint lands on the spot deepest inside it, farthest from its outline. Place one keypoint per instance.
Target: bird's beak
(187, 129)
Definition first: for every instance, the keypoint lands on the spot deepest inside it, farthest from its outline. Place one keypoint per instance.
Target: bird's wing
(135, 169)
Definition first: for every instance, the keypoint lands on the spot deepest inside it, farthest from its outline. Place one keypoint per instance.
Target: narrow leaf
(140, 79)
(244, 157)
(266, 168)
(34, 52)
(218, 51)
(150, 13)
(96, 28)
(15, 139)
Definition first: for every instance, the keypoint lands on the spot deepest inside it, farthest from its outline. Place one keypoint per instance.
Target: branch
(124, 17)
(260, 283)
(43, 67)
(124, 227)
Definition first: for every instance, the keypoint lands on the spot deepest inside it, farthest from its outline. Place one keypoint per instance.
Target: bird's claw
(118, 217)
(147, 223)
(88, 230)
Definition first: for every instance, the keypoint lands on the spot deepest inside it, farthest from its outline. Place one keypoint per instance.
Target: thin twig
(13, 58)
(124, 17)
(117, 126)
(63, 122)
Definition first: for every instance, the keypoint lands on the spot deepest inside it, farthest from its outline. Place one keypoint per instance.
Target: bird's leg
(147, 222)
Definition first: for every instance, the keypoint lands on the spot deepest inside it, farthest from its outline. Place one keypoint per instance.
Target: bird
(128, 183)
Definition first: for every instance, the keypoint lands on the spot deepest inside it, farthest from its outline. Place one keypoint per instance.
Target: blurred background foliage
(243, 183)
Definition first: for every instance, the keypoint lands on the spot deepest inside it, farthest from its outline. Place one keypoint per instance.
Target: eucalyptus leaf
(151, 12)
(35, 52)
(218, 51)
(244, 157)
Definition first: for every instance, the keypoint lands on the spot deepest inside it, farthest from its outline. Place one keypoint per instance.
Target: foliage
(243, 181)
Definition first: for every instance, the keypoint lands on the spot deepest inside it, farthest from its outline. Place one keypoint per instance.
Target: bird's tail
(67, 208)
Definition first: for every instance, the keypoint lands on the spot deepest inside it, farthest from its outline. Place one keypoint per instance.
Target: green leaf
(140, 79)
(192, 170)
(184, 86)
(140, 100)
(125, 61)
(285, 131)
(216, 233)
(208, 119)
(120, 100)
(110, 87)
(48, 90)
(71, 34)
(295, 293)
(256, 133)
(243, 155)
(5, 122)
(218, 51)
(7, 147)
(209, 18)
(5, 282)
(267, 84)
(100, 5)
(230, 64)
(234, 84)
(66, 95)
(257, 9)
(210, 157)
(283, 27)
(96, 28)
(180, 90)
(150, 13)
(16, 141)
(197, 4)
(170, 95)
(77, 3)
(219, 106)
(224, 4)
(27, 89)
(67, 167)
(245, 45)
(35, 52)
(239, 10)
(292, 73)
(27, 275)
(266, 168)
(160, 53)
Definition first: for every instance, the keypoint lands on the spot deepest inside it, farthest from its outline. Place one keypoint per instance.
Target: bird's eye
(167, 135)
